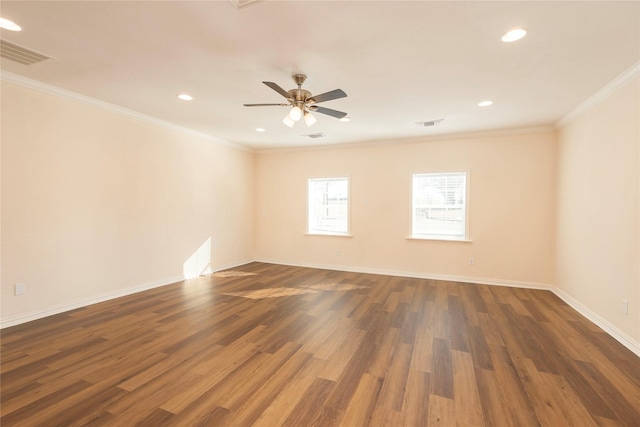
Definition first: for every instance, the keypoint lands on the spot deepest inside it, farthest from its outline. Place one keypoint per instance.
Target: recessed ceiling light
(9, 25)
(345, 119)
(185, 97)
(514, 35)
(261, 130)
(485, 103)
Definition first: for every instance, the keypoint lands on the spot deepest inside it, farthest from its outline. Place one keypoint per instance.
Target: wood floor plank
(489, 330)
(272, 345)
(547, 402)
(249, 358)
(395, 379)
(70, 408)
(568, 402)
(624, 405)
(381, 358)
(360, 409)
(158, 417)
(471, 304)
(458, 334)
(382, 417)
(329, 343)
(283, 404)
(135, 406)
(252, 379)
(328, 416)
(425, 292)
(22, 413)
(415, 408)
(442, 412)
(209, 416)
(466, 396)
(511, 385)
(258, 398)
(340, 359)
(423, 344)
(306, 410)
(495, 408)
(442, 371)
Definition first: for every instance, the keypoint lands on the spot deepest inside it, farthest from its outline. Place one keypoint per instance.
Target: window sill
(439, 239)
(329, 234)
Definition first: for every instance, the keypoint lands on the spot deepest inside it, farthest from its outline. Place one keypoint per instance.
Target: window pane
(439, 205)
(328, 205)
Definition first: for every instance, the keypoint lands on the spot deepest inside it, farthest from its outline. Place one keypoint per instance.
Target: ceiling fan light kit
(309, 119)
(295, 113)
(288, 121)
(302, 102)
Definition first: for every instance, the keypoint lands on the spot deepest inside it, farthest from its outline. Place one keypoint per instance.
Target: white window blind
(439, 205)
(328, 208)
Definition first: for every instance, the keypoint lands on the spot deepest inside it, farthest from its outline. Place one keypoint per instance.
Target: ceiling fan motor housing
(299, 95)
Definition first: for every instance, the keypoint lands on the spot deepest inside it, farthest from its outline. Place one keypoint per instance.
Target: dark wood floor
(271, 345)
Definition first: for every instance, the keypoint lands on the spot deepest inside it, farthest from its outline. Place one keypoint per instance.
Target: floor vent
(315, 135)
(21, 54)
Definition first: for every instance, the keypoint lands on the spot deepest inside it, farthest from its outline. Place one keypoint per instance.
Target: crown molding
(417, 140)
(241, 4)
(105, 106)
(600, 95)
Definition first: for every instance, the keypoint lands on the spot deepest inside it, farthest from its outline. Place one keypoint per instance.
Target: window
(439, 206)
(328, 206)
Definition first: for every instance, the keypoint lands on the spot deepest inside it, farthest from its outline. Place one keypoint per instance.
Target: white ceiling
(399, 61)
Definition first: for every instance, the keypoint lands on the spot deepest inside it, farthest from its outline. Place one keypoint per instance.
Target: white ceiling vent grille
(315, 135)
(21, 54)
(428, 123)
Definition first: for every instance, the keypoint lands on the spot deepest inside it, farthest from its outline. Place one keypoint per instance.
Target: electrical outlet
(471, 261)
(338, 252)
(625, 306)
(20, 289)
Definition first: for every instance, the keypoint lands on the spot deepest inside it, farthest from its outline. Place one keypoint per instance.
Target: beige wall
(598, 215)
(95, 202)
(512, 208)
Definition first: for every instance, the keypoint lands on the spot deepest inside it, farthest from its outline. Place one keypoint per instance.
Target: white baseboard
(83, 302)
(605, 325)
(418, 275)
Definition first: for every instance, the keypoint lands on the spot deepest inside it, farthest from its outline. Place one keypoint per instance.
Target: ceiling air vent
(428, 124)
(21, 54)
(315, 135)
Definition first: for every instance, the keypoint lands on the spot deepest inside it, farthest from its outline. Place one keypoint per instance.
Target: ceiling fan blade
(277, 88)
(328, 111)
(328, 96)
(265, 105)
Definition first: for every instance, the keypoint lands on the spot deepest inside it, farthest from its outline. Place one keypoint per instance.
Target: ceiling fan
(302, 103)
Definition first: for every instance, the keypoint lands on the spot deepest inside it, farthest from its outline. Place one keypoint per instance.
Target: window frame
(465, 237)
(318, 232)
